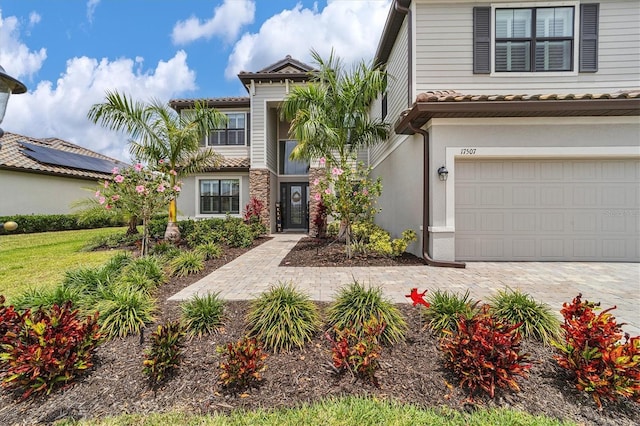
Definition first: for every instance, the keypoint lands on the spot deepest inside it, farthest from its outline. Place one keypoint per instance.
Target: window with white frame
(219, 196)
(534, 39)
(232, 134)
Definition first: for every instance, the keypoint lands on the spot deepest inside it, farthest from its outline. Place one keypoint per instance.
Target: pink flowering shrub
(138, 191)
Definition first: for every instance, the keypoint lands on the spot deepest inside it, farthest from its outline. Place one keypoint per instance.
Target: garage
(570, 209)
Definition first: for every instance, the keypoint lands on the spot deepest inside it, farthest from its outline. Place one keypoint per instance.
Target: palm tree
(162, 138)
(330, 116)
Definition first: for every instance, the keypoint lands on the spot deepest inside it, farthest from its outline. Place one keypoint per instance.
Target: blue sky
(69, 52)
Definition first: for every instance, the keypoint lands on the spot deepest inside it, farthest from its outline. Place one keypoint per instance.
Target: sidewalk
(550, 282)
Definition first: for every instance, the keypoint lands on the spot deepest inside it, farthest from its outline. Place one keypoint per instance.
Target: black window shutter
(589, 37)
(247, 125)
(481, 40)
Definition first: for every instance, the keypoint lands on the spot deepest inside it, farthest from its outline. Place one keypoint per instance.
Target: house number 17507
(471, 151)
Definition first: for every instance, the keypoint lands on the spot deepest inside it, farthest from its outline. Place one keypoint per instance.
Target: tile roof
(12, 157)
(451, 103)
(232, 163)
(453, 96)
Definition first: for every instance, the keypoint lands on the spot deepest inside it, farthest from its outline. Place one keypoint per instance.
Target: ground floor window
(219, 196)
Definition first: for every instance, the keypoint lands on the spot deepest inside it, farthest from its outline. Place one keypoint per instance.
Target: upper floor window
(234, 133)
(534, 39)
(289, 166)
(538, 39)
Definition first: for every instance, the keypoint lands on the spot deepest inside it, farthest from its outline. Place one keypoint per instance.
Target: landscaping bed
(328, 252)
(411, 372)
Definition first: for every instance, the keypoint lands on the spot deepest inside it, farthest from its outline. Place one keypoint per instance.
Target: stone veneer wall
(314, 173)
(259, 188)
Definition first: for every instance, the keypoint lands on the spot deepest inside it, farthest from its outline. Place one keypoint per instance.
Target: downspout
(407, 12)
(426, 220)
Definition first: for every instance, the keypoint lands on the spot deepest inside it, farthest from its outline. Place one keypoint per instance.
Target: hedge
(28, 224)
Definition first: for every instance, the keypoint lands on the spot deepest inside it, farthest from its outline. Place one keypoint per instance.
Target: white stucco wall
(31, 193)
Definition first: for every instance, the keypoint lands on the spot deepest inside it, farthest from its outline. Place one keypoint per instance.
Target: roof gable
(288, 65)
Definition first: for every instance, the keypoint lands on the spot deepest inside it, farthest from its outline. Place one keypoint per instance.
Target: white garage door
(551, 210)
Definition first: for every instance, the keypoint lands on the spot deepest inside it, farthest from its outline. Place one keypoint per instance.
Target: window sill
(543, 74)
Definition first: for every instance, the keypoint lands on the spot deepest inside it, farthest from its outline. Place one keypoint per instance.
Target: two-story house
(516, 129)
(516, 133)
(256, 147)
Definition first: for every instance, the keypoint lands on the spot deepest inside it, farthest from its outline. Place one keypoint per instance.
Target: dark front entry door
(294, 198)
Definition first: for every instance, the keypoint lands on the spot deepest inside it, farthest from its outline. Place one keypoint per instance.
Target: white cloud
(351, 28)
(91, 9)
(34, 18)
(60, 109)
(15, 56)
(226, 22)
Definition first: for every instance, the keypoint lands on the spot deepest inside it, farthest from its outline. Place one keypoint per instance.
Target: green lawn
(341, 412)
(40, 260)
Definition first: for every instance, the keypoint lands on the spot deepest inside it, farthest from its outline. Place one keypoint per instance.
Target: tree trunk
(133, 226)
(172, 233)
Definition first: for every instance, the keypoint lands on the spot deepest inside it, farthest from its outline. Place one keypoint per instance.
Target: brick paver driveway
(550, 282)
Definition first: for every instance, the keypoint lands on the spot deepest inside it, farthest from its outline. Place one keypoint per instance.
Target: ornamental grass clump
(34, 298)
(282, 318)
(209, 250)
(537, 319)
(355, 305)
(148, 266)
(187, 263)
(445, 308)
(124, 310)
(202, 315)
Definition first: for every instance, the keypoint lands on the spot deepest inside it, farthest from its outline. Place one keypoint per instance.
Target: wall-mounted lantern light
(443, 173)
(8, 85)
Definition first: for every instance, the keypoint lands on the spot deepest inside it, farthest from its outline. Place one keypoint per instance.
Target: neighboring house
(533, 108)
(45, 176)
(256, 147)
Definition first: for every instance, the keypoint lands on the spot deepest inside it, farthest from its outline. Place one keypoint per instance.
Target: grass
(445, 308)
(40, 260)
(335, 412)
(203, 315)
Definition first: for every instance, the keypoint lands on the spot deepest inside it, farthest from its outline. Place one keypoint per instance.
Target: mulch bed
(328, 252)
(411, 372)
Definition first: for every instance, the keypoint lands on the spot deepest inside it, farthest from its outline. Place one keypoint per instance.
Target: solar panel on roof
(55, 157)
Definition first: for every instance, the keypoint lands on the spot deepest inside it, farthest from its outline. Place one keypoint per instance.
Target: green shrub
(202, 315)
(44, 349)
(242, 364)
(161, 248)
(186, 263)
(28, 224)
(148, 266)
(112, 241)
(209, 250)
(446, 308)
(87, 281)
(165, 352)
(368, 237)
(34, 298)
(205, 231)
(237, 233)
(282, 318)
(355, 305)
(257, 229)
(114, 266)
(537, 319)
(138, 280)
(124, 310)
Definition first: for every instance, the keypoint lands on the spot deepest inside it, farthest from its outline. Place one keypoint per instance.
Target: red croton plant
(593, 348)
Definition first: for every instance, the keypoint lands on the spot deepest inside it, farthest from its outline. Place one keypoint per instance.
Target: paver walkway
(550, 282)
